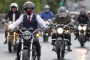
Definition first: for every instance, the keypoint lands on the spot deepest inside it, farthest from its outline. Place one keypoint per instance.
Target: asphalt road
(47, 53)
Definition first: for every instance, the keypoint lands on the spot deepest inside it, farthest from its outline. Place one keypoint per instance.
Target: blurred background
(71, 5)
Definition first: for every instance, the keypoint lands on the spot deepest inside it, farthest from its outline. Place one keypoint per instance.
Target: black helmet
(83, 12)
(28, 4)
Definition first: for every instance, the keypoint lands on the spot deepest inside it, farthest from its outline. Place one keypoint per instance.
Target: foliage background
(5, 5)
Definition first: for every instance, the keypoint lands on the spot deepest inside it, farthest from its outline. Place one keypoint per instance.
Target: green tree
(54, 4)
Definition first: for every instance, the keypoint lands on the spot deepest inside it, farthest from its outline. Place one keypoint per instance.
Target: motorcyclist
(29, 19)
(81, 19)
(13, 15)
(62, 18)
(47, 14)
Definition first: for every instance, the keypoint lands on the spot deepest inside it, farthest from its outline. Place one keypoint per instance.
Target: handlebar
(32, 32)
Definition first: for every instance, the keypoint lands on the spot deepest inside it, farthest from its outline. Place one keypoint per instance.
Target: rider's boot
(5, 41)
(38, 58)
(54, 49)
(75, 38)
(69, 48)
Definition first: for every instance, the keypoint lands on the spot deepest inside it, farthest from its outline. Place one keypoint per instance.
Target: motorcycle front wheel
(45, 38)
(25, 55)
(81, 40)
(10, 49)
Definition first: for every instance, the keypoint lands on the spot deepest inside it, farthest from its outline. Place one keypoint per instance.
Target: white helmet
(15, 5)
(46, 8)
(62, 9)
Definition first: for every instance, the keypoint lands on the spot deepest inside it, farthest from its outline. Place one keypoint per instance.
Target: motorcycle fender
(25, 47)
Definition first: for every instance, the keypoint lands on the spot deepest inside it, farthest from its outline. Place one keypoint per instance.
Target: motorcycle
(82, 32)
(61, 41)
(11, 37)
(45, 35)
(28, 49)
(46, 32)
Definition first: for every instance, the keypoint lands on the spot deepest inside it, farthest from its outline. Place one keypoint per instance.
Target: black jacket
(82, 19)
(10, 15)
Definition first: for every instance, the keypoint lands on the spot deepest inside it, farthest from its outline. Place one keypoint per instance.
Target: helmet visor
(46, 9)
(62, 14)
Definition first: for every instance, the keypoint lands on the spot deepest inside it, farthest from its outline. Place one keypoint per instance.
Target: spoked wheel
(62, 55)
(81, 40)
(25, 55)
(10, 47)
(58, 53)
(14, 47)
(34, 55)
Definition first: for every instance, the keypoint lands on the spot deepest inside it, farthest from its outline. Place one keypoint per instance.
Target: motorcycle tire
(62, 54)
(58, 53)
(81, 40)
(34, 54)
(63, 50)
(25, 55)
(45, 38)
(10, 45)
(15, 47)
(82, 44)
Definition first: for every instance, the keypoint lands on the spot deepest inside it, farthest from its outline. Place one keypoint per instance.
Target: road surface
(47, 53)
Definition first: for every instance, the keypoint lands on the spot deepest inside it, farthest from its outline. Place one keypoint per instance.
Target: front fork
(31, 49)
(14, 36)
(21, 50)
(7, 38)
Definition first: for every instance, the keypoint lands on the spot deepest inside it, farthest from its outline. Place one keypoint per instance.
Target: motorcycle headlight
(60, 30)
(26, 35)
(10, 26)
(80, 28)
(84, 27)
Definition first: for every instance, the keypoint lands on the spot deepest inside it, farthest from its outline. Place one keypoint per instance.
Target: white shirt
(13, 17)
(20, 20)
